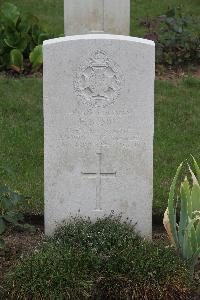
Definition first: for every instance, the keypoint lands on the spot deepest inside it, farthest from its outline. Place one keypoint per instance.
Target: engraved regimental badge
(98, 80)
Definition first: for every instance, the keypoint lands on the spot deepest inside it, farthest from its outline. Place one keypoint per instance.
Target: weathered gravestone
(98, 122)
(92, 16)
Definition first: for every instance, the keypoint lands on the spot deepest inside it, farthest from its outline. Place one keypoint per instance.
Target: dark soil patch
(176, 75)
(13, 74)
(18, 245)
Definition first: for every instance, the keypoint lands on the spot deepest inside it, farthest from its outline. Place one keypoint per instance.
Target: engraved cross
(98, 175)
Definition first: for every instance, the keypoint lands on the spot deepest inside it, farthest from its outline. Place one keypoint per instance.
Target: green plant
(21, 37)
(10, 202)
(177, 38)
(185, 236)
(101, 260)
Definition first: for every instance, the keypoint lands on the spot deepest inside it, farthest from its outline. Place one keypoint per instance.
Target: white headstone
(97, 16)
(98, 126)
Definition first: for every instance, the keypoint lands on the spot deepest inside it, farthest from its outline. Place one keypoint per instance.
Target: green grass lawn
(177, 134)
(177, 112)
(21, 137)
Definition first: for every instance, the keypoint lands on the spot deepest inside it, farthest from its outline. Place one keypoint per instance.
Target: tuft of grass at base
(102, 260)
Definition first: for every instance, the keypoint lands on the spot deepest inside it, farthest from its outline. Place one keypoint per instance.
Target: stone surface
(98, 126)
(92, 16)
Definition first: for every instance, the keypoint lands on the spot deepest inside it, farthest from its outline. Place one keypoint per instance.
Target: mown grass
(21, 138)
(105, 260)
(177, 135)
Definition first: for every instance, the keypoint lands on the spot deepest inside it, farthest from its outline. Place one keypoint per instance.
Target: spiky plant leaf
(186, 249)
(195, 197)
(185, 209)
(188, 241)
(197, 169)
(198, 233)
(193, 238)
(171, 208)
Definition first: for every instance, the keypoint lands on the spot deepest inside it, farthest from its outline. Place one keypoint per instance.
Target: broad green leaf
(2, 225)
(36, 57)
(42, 37)
(16, 198)
(23, 42)
(6, 203)
(10, 12)
(4, 189)
(24, 24)
(13, 217)
(36, 32)
(171, 207)
(16, 60)
(12, 38)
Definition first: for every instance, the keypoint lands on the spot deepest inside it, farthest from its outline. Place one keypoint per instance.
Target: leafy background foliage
(21, 38)
(177, 38)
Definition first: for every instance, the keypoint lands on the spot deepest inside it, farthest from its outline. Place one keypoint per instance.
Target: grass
(21, 123)
(177, 135)
(105, 260)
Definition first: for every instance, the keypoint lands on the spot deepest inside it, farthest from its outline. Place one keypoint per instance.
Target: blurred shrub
(21, 38)
(177, 38)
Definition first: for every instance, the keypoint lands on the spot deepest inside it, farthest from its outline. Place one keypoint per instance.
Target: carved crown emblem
(98, 80)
